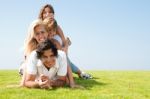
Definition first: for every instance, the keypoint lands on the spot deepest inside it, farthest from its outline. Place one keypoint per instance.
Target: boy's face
(48, 58)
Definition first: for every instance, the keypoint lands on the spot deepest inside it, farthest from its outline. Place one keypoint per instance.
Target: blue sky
(105, 34)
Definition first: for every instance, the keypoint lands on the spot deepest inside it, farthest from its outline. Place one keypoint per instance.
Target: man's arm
(59, 82)
(31, 83)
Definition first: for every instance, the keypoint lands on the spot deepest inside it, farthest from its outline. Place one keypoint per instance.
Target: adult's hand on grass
(44, 84)
(76, 86)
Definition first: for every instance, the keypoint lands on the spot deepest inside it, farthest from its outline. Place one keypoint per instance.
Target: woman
(37, 34)
(47, 11)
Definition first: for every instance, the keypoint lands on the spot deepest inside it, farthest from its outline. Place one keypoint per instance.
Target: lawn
(105, 85)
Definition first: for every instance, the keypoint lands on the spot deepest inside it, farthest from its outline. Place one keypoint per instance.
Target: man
(46, 67)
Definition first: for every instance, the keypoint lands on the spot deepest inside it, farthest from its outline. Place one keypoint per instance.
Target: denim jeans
(74, 68)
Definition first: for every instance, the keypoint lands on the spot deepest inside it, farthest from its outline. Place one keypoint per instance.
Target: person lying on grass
(37, 34)
(51, 67)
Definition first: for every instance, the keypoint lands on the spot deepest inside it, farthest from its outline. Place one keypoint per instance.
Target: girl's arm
(61, 34)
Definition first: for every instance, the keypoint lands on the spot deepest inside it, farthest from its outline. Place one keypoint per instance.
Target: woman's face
(40, 33)
(48, 13)
(48, 58)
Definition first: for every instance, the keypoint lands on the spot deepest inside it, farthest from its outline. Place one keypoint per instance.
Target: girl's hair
(43, 8)
(51, 24)
(30, 42)
(46, 45)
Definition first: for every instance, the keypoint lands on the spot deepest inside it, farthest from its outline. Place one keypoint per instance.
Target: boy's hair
(46, 45)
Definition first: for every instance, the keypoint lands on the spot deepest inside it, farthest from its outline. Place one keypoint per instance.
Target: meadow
(104, 85)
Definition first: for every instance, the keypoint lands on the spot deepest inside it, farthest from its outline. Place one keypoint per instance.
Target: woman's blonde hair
(30, 42)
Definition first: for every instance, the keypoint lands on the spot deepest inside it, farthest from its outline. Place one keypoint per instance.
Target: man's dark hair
(46, 45)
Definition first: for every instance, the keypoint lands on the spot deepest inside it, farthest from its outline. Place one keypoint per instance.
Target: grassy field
(105, 85)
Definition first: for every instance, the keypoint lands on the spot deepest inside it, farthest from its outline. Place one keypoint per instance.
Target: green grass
(105, 85)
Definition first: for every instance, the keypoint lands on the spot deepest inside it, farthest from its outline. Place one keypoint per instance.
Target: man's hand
(44, 82)
(43, 77)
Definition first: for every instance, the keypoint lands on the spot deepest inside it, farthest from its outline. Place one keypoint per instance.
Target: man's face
(48, 58)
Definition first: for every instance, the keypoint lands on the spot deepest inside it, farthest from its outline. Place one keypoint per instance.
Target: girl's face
(40, 33)
(48, 58)
(48, 13)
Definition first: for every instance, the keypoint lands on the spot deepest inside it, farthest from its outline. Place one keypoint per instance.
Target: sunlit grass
(105, 85)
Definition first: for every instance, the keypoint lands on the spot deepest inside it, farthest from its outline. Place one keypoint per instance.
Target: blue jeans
(74, 68)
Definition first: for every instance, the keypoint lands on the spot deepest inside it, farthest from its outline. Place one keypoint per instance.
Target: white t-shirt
(35, 66)
(58, 38)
